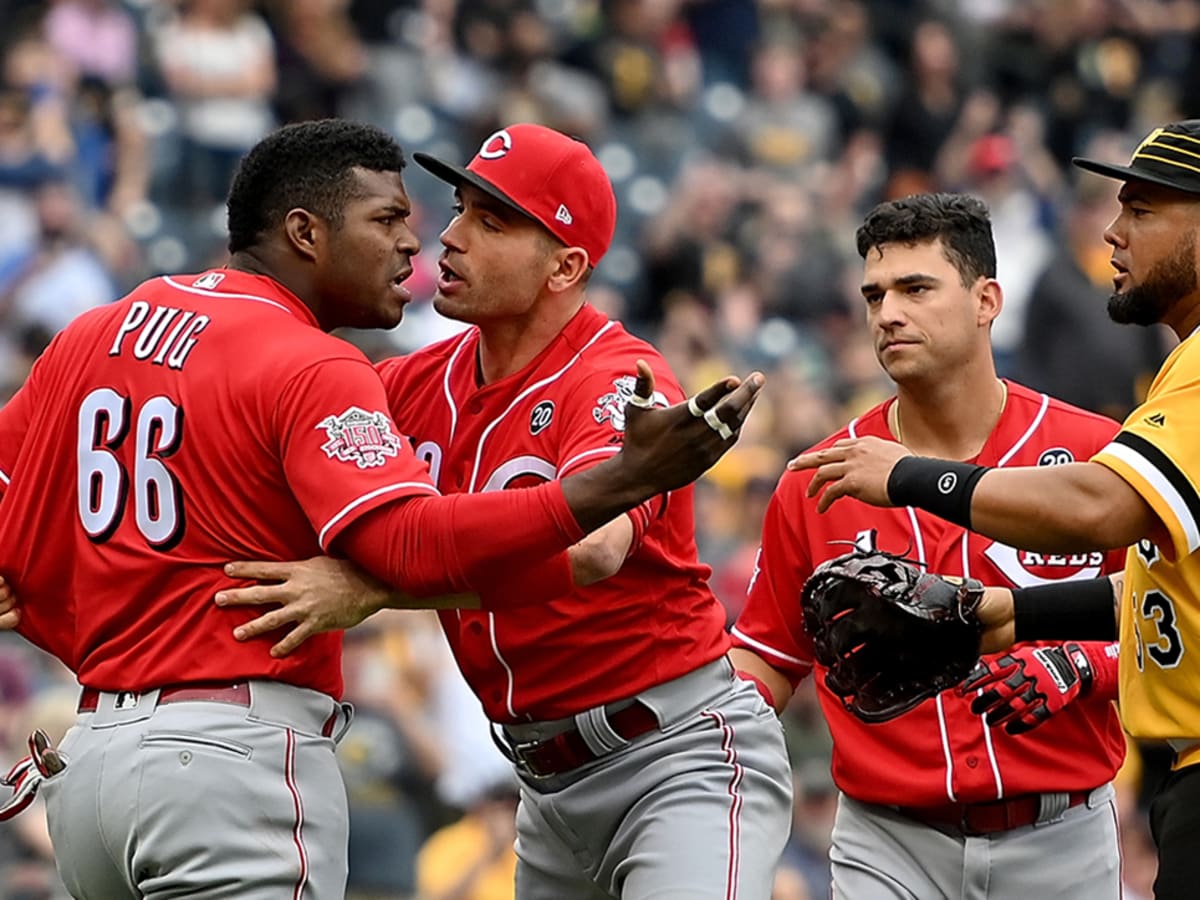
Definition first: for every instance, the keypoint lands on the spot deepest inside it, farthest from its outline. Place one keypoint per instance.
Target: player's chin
(451, 308)
(385, 316)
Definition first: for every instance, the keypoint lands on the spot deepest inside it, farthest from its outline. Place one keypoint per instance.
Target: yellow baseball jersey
(1157, 452)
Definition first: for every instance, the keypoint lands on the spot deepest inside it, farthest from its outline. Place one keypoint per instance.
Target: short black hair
(959, 220)
(306, 165)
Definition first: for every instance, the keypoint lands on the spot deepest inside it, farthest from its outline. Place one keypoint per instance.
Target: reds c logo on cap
(497, 145)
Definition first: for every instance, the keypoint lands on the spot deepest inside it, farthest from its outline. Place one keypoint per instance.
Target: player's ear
(303, 232)
(569, 267)
(990, 300)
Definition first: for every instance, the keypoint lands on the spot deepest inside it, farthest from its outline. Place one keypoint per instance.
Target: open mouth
(447, 277)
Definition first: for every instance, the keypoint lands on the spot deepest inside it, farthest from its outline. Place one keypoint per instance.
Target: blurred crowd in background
(745, 141)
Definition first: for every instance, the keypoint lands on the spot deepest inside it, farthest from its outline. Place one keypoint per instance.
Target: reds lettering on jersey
(655, 619)
(161, 436)
(940, 752)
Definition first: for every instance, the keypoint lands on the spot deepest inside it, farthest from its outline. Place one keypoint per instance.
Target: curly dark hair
(960, 221)
(306, 165)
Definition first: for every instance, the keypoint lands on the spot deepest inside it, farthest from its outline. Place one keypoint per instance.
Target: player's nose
(408, 242)
(452, 235)
(890, 309)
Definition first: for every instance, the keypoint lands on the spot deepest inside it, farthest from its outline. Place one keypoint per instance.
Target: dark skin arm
(1050, 509)
(664, 449)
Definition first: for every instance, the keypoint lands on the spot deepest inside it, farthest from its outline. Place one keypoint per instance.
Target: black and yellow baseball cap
(1169, 156)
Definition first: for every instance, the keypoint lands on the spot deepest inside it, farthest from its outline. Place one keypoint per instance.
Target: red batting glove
(27, 775)
(1026, 686)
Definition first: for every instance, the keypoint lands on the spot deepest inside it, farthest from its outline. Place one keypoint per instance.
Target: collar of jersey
(245, 285)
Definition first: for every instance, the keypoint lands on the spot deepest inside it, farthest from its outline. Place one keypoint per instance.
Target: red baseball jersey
(939, 752)
(198, 420)
(656, 618)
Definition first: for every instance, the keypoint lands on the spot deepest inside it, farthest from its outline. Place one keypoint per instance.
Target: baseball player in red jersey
(647, 767)
(935, 803)
(208, 417)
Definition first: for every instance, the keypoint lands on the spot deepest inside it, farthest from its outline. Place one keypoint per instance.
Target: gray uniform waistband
(270, 702)
(670, 702)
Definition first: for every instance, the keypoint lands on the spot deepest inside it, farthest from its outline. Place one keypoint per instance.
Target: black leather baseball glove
(889, 634)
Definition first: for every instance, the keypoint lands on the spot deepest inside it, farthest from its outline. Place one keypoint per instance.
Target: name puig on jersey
(159, 334)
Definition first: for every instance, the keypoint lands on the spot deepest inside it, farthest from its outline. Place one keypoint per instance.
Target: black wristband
(940, 486)
(1065, 611)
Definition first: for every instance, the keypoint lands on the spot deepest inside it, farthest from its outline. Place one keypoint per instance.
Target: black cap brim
(1129, 173)
(457, 175)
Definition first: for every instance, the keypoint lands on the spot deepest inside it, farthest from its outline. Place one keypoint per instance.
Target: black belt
(568, 750)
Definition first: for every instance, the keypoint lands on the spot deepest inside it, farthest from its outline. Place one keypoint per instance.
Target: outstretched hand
(673, 447)
(852, 467)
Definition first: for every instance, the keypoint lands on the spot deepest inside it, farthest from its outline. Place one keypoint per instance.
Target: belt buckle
(521, 758)
(964, 823)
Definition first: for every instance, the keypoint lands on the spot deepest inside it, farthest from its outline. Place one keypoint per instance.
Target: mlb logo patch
(209, 281)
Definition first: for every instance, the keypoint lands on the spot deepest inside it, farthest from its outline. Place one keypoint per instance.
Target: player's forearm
(1059, 509)
(599, 494)
(483, 543)
(601, 554)
(1051, 509)
(1070, 610)
(777, 685)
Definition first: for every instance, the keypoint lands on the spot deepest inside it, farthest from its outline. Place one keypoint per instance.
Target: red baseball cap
(546, 175)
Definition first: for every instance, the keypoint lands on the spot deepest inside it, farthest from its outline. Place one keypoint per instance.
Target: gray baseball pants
(202, 799)
(699, 810)
(881, 854)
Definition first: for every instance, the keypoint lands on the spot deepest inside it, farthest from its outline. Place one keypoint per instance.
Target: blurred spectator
(321, 59)
(644, 56)
(807, 850)
(97, 37)
(63, 276)
(474, 859)
(112, 169)
(27, 869)
(388, 759)
(218, 60)
(784, 127)
(790, 884)
(926, 110)
(1071, 348)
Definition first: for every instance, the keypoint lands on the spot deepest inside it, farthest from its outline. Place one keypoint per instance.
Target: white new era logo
(563, 215)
